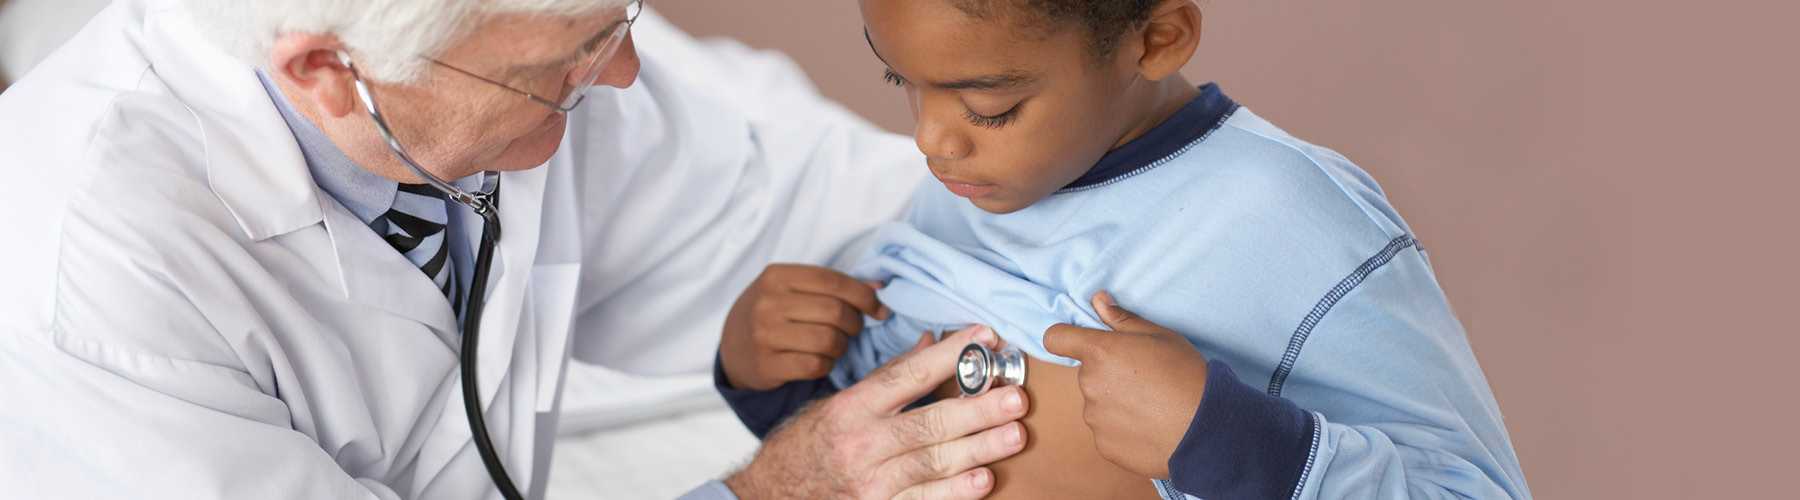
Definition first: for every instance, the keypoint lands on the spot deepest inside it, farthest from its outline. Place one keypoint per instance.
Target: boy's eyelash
(888, 74)
(995, 121)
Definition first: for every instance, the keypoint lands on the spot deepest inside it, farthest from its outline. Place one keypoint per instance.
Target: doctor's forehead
(526, 39)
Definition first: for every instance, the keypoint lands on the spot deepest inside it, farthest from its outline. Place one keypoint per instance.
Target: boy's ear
(1169, 38)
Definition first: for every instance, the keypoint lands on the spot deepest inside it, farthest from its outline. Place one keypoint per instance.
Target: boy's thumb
(1117, 318)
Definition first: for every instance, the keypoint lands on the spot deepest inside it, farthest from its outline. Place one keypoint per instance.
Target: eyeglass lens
(596, 63)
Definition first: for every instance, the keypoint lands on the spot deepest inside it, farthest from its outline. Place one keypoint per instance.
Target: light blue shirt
(1338, 367)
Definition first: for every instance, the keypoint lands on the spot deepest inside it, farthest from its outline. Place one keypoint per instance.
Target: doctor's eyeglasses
(590, 62)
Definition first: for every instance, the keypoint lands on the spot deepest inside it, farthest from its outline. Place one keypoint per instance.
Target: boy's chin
(1000, 207)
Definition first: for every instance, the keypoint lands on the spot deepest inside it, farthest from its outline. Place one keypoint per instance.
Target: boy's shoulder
(1248, 164)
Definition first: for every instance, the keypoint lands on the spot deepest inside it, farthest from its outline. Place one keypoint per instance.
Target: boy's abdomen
(1059, 460)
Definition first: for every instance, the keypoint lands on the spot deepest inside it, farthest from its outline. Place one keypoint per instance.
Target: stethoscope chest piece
(979, 368)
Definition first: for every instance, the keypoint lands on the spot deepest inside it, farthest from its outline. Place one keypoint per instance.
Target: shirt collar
(1188, 126)
(367, 195)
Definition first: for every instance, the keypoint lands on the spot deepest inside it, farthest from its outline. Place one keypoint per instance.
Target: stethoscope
(483, 202)
(979, 368)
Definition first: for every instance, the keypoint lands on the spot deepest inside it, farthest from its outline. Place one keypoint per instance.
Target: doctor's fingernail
(1013, 438)
(984, 334)
(1012, 402)
(980, 480)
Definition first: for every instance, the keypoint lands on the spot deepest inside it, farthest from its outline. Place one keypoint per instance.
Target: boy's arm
(1380, 398)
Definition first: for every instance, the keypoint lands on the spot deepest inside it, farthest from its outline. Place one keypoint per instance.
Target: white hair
(386, 37)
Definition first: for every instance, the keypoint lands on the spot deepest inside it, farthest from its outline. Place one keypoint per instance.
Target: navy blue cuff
(1243, 443)
(761, 411)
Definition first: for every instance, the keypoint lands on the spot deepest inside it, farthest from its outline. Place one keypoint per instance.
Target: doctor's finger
(929, 427)
(910, 376)
(949, 459)
(825, 281)
(970, 485)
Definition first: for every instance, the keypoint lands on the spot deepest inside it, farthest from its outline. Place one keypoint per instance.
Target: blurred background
(1605, 188)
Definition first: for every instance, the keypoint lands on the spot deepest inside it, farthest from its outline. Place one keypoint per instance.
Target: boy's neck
(1164, 98)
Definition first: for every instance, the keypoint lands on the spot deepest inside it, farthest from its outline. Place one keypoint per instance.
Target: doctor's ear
(316, 66)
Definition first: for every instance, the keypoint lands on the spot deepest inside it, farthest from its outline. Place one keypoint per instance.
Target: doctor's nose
(622, 70)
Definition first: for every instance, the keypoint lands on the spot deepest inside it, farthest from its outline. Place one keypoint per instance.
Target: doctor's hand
(858, 444)
(1140, 385)
(793, 323)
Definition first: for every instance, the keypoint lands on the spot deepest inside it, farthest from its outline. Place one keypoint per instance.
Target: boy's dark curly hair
(1107, 21)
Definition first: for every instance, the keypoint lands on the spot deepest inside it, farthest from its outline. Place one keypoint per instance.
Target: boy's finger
(1119, 319)
(824, 281)
(823, 310)
(1072, 341)
(809, 338)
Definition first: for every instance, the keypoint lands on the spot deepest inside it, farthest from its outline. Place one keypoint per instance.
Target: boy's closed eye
(978, 119)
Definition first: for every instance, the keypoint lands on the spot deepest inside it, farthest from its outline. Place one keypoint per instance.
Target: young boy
(1071, 158)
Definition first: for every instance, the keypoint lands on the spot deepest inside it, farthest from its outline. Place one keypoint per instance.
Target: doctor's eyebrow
(1007, 80)
(587, 47)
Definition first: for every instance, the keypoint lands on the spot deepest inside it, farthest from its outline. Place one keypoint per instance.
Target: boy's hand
(792, 323)
(1140, 385)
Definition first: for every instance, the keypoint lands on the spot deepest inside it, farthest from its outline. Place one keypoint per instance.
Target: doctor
(219, 279)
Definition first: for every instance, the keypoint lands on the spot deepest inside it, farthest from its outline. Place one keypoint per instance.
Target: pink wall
(1604, 190)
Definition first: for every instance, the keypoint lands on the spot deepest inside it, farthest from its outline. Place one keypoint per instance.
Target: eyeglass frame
(603, 52)
(481, 201)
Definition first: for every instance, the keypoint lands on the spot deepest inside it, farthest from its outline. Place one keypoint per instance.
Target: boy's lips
(966, 189)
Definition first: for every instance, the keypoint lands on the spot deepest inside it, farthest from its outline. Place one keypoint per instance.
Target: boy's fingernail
(882, 314)
(1107, 298)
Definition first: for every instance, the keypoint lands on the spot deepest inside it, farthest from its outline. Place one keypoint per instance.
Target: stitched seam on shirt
(1171, 157)
(1311, 455)
(1325, 304)
(1168, 489)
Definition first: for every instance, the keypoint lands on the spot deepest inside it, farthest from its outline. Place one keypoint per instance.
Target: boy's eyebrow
(1003, 81)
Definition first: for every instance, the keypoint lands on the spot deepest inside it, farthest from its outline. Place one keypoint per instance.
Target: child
(1071, 157)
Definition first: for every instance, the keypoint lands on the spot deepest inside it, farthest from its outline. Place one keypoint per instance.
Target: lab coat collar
(241, 126)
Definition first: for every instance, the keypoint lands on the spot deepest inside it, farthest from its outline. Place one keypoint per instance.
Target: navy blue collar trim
(1189, 125)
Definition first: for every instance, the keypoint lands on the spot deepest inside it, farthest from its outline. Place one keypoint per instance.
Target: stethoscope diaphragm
(979, 368)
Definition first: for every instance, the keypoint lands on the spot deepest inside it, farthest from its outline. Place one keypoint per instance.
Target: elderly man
(255, 251)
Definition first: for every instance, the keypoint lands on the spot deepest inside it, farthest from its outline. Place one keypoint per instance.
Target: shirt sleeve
(1382, 398)
(191, 430)
(711, 490)
(761, 411)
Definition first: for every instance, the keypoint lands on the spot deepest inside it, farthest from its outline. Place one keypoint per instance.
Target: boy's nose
(940, 142)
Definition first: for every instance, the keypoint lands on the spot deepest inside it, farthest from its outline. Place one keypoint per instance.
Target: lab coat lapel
(521, 210)
(256, 169)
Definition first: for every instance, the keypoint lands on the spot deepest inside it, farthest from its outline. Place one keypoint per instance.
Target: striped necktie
(416, 229)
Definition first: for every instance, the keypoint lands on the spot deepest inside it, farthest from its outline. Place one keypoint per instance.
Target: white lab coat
(185, 314)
